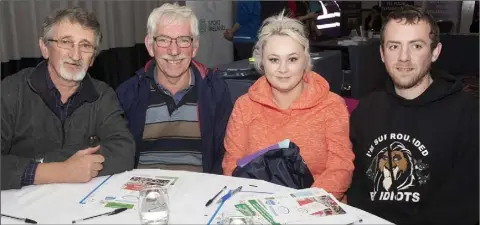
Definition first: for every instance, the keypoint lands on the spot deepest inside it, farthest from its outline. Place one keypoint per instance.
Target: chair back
(445, 26)
(238, 87)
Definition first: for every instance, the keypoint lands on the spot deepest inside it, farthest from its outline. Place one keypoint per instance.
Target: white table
(59, 203)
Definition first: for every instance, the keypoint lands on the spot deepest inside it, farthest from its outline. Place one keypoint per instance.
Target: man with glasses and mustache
(177, 111)
(59, 125)
(423, 124)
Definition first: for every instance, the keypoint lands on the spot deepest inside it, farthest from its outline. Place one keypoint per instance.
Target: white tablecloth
(59, 203)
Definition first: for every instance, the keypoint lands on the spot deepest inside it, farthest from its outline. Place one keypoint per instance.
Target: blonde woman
(291, 102)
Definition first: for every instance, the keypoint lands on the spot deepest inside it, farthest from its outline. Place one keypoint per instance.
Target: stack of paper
(307, 206)
(126, 193)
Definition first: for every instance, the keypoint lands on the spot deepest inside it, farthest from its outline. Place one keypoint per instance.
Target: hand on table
(83, 165)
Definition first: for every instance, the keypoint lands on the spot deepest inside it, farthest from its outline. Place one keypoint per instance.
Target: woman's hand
(311, 15)
(228, 34)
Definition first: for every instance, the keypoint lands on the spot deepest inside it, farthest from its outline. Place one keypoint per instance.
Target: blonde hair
(169, 13)
(283, 26)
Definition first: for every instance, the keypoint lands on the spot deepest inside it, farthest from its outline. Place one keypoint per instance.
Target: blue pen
(229, 194)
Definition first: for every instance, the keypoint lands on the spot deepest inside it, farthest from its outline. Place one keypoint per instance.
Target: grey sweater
(31, 130)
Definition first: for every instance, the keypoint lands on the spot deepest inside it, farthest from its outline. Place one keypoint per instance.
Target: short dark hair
(413, 15)
(74, 15)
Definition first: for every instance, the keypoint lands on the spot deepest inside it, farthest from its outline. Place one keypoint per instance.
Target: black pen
(359, 220)
(214, 197)
(26, 220)
(116, 211)
(93, 141)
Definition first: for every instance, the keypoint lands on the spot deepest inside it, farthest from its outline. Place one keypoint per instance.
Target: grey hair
(170, 13)
(76, 15)
(283, 26)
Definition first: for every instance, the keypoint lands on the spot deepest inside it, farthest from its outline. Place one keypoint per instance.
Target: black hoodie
(417, 161)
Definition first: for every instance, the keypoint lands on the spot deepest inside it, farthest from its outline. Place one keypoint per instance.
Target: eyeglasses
(165, 41)
(67, 44)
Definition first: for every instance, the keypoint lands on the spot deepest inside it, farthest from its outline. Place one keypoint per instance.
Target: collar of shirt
(182, 92)
(52, 88)
(39, 80)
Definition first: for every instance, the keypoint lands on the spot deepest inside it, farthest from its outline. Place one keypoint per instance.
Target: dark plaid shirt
(29, 175)
(61, 109)
(179, 95)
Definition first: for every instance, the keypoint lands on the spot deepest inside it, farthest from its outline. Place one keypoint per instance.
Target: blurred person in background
(374, 19)
(243, 34)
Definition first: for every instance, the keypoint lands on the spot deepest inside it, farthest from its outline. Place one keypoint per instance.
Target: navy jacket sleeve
(222, 114)
(132, 104)
(124, 93)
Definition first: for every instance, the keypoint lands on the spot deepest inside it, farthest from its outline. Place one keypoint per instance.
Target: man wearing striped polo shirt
(171, 136)
(176, 111)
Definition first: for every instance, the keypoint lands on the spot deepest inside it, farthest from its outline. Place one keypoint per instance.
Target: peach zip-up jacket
(317, 122)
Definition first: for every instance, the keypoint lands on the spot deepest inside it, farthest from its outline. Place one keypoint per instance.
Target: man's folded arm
(117, 144)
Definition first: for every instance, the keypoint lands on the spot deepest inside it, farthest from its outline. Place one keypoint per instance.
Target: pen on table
(229, 194)
(116, 211)
(26, 220)
(214, 197)
(359, 220)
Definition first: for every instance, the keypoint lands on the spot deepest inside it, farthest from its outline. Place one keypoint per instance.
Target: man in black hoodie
(416, 144)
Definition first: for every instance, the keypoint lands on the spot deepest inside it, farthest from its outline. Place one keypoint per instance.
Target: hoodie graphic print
(394, 171)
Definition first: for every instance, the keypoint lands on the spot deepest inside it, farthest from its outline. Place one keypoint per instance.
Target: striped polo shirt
(171, 136)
